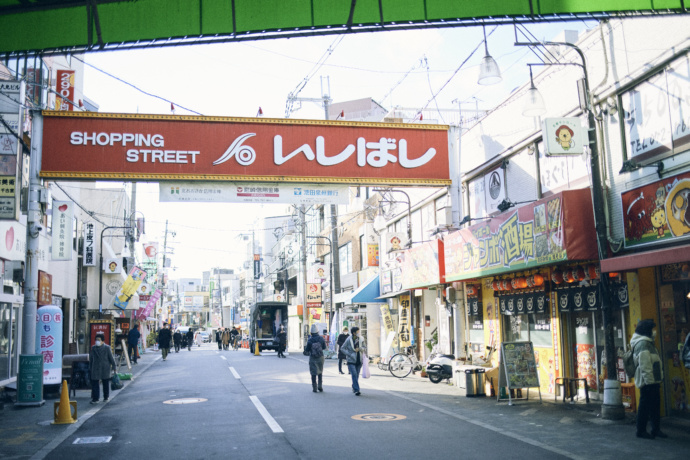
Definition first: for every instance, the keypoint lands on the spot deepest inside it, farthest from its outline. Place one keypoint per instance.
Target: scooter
(440, 368)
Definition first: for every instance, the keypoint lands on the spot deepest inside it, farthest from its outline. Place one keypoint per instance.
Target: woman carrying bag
(354, 350)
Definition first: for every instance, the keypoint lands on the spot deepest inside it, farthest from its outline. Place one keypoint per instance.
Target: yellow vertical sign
(388, 323)
(404, 321)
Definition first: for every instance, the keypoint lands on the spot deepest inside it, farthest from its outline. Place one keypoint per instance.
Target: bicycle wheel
(400, 365)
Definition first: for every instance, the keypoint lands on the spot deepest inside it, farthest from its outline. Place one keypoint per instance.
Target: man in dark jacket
(219, 338)
(133, 343)
(101, 361)
(164, 338)
(190, 338)
(281, 337)
(341, 356)
(177, 339)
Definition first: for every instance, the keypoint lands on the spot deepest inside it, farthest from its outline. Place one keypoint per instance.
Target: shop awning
(367, 292)
(672, 255)
(393, 294)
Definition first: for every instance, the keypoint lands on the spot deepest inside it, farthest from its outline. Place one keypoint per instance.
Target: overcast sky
(412, 69)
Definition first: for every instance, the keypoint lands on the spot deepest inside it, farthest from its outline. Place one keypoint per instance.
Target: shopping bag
(115, 383)
(365, 367)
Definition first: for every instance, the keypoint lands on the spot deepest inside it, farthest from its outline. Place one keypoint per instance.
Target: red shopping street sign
(80, 145)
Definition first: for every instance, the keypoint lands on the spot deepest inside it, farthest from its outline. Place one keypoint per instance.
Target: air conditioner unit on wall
(444, 216)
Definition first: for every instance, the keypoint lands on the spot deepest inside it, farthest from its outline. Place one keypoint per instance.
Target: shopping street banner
(657, 212)
(168, 147)
(423, 265)
(129, 287)
(551, 230)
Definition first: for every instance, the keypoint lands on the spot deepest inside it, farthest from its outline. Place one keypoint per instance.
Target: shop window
(540, 333)
(516, 328)
(476, 335)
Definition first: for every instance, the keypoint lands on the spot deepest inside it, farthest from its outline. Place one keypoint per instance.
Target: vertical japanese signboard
(65, 89)
(45, 288)
(257, 266)
(105, 327)
(89, 245)
(404, 321)
(49, 342)
(314, 303)
(62, 230)
(11, 94)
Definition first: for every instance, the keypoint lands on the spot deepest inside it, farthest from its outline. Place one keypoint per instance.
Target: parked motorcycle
(440, 368)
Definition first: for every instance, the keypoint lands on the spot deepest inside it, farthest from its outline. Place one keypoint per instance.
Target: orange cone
(63, 409)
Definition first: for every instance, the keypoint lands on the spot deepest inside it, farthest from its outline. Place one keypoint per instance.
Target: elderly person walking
(353, 349)
(315, 346)
(101, 361)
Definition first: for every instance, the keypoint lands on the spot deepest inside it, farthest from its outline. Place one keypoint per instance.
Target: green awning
(78, 25)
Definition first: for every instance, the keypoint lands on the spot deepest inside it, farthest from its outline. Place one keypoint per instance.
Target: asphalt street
(206, 403)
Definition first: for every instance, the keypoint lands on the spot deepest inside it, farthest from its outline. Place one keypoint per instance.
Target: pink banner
(152, 303)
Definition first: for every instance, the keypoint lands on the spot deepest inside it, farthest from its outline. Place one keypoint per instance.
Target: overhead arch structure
(59, 26)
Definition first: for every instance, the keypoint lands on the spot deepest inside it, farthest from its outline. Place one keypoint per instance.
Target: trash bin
(474, 382)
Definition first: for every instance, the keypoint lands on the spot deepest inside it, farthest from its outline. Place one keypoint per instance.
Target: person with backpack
(315, 346)
(341, 355)
(648, 377)
(353, 349)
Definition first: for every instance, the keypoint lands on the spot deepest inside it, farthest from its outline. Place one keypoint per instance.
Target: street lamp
(409, 211)
(612, 409)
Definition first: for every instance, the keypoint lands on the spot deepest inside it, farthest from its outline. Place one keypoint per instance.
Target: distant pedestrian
(219, 338)
(164, 338)
(341, 356)
(177, 340)
(133, 343)
(315, 346)
(101, 361)
(281, 337)
(234, 336)
(648, 378)
(353, 349)
(190, 338)
(226, 338)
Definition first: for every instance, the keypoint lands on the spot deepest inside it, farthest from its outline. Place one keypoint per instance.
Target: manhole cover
(378, 417)
(93, 440)
(185, 401)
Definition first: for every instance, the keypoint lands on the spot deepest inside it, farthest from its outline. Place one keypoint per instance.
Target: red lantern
(535, 280)
(579, 274)
(506, 286)
(593, 272)
(568, 276)
(515, 283)
(496, 285)
(557, 276)
(471, 290)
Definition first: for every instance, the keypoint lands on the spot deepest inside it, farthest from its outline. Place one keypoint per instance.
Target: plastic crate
(628, 397)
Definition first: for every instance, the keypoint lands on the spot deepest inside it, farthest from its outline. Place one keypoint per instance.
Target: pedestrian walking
(281, 337)
(353, 349)
(190, 338)
(101, 361)
(219, 338)
(342, 337)
(315, 346)
(164, 338)
(177, 340)
(226, 338)
(234, 336)
(133, 343)
(648, 378)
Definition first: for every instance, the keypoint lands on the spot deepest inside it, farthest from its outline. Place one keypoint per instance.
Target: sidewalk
(28, 432)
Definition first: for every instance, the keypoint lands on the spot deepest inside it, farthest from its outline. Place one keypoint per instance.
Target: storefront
(507, 264)
(657, 270)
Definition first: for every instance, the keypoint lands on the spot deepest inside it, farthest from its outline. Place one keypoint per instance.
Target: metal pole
(33, 225)
(162, 279)
(303, 283)
(612, 409)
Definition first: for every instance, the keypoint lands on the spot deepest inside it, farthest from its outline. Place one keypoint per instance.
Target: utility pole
(162, 273)
(33, 228)
(303, 272)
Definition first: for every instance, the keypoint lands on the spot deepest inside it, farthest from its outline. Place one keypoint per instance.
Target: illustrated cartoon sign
(129, 287)
(657, 212)
(563, 136)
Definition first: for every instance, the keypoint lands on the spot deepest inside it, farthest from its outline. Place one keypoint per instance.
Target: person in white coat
(648, 378)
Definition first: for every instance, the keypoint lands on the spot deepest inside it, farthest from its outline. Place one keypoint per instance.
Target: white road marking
(528, 412)
(223, 357)
(273, 425)
(234, 372)
(566, 421)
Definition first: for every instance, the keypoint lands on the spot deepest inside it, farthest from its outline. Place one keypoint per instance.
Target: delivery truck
(264, 321)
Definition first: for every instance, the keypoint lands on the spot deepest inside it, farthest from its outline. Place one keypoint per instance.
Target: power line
(137, 88)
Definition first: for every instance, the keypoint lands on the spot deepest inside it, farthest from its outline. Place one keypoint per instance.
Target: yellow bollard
(62, 410)
(256, 349)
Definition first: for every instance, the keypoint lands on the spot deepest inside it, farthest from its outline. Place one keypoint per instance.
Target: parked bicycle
(403, 364)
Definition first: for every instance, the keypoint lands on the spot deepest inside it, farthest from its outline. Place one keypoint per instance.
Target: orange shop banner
(168, 147)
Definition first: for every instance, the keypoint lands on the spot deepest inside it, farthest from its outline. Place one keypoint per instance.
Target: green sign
(30, 380)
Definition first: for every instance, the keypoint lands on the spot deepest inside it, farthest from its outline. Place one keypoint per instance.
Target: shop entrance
(9, 319)
(586, 344)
